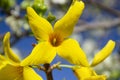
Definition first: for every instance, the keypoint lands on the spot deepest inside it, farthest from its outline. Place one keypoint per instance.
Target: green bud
(39, 7)
(51, 17)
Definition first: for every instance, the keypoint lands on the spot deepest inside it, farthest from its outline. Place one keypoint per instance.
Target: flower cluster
(51, 41)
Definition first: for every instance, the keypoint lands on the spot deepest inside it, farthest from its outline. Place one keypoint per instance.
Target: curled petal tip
(29, 9)
(7, 50)
(104, 53)
(7, 35)
(6, 39)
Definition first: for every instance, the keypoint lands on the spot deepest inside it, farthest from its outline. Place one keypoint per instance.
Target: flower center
(55, 39)
(20, 70)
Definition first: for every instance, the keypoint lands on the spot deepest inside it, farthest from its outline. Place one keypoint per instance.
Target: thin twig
(104, 7)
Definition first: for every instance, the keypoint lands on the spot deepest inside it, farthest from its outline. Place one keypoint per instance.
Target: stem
(66, 66)
(48, 73)
(69, 66)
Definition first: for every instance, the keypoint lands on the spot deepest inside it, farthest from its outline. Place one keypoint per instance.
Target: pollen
(55, 39)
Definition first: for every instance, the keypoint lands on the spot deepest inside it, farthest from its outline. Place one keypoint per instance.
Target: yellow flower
(2, 61)
(55, 40)
(87, 73)
(10, 68)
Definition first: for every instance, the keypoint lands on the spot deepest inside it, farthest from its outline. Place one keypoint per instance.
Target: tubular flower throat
(10, 68)
(87, 73)
(55, 40)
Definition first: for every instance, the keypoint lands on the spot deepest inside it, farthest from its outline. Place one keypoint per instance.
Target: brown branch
(99, 24)
(48, 73)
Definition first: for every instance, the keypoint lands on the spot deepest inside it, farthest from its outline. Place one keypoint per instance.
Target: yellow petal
(71, 51)
(2, 58)
(86, 73)
(2, 64)
(10, 72)
(83, 72)
(3, 61)
(8, 51)
(30, 74)
(41, 54)
(40, 26)
(66, 24)
(104, 53)
(99, 77)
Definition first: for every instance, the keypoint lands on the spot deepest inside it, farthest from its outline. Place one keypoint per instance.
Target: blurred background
(99, 23)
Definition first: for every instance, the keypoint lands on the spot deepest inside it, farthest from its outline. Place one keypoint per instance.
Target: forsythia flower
(55, 40)
(87, 73)
(10, 68)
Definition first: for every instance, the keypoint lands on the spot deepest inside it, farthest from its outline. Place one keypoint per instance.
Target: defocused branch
(103, 7)
(98, 24)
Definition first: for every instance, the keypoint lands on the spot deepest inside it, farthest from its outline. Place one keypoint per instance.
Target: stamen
(54, 41)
